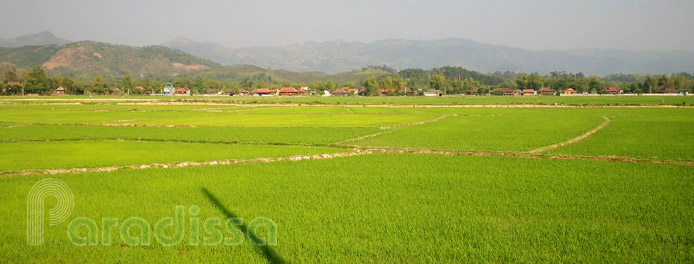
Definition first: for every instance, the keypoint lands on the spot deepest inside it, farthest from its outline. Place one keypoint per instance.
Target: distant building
(528, 92)
(472, 91)
(614, 90)
(288, 91)
(169, 89)
(340, 92)
(432, 93)
(670, 91)
(570, 91)
(264, 92)
(502, 91)
(547, 91)
(185, 91)
(60, 90)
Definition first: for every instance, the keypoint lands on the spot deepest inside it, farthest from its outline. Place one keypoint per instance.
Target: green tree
(371, 86)
(127, 83)
(438, 82)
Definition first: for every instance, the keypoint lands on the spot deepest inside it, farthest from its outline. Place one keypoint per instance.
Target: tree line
(446, 80)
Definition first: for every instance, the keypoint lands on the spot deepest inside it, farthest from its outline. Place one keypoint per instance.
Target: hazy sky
(536, 25)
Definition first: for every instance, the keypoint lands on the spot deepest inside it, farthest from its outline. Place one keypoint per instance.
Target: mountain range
(41, 38)
(182, 55)
(341, 56)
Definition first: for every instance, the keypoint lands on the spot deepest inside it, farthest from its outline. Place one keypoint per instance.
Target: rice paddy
(351, 184)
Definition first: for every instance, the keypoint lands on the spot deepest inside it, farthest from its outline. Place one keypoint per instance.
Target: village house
(361, 92)
(340, 92)
(432, 93)
(185, 91)
(502, 91)
(169, 89)
(528, 92)
(614, 90)
(264, 92)
(547, 91)
(669, 91)
(303, 90)
(288, 91)
(60, 91)
(472, 91)
(570, 91)
(242, 92)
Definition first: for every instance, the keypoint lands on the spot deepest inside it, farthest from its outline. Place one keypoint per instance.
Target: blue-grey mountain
(341, 56)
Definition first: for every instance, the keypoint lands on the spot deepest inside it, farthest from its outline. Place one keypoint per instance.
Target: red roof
(182, 90)
(140, 88)
(14, 83)
(528, 91)
(613, 89)
(263, 91)
(570, 90)
(669, 90)
(503, 90)
(288, 90)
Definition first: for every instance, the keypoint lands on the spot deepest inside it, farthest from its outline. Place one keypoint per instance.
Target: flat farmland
(354, 184)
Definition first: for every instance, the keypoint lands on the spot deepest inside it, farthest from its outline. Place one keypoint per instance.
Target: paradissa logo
(168, 231)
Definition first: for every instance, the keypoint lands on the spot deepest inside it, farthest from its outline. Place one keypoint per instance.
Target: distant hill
(82, 60)
(342, 56)
(36, 39)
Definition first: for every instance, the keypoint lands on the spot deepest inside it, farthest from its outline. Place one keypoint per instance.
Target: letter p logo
(35, 207)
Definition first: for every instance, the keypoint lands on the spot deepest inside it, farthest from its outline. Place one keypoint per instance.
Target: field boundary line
(418, 122)
(183, 164)
(159, 101)
(395, 126)
(366, 136)
(444, 152)
(212, 142)
(356, 152)
(574, 140)
(107, 124)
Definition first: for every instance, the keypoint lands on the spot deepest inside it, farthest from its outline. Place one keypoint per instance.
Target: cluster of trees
(630, 83)
(447, 80)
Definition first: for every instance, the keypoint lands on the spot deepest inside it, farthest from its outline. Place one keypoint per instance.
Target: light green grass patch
(492, 130)
(90, 154)
(641, 133)
(389, 208)
(293, 135)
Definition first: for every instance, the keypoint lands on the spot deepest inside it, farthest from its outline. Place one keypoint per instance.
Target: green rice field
(351, 184)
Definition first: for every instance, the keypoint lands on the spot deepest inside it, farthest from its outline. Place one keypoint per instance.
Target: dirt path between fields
(395, 126)
(185, 164)
(418, 122)
(156, 102)
(573, 140)
(355, 152)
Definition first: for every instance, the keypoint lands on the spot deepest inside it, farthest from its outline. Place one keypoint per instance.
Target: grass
(640, 133)
(90, 154)
(424, 209)
(290, 135)
(370, 208)
(492, 130)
